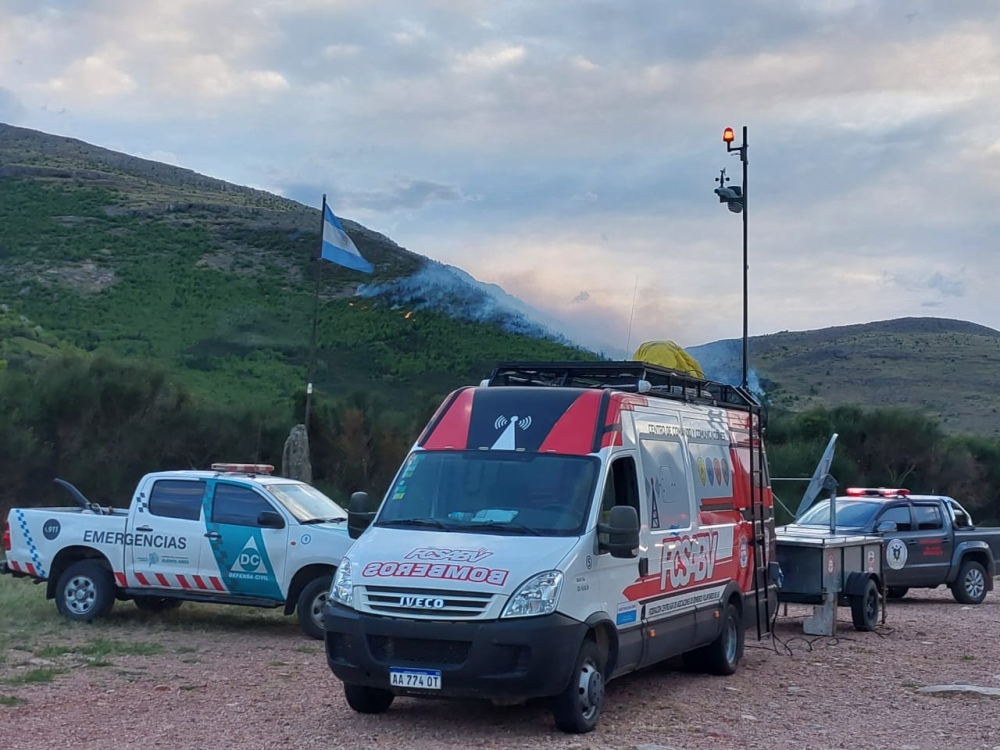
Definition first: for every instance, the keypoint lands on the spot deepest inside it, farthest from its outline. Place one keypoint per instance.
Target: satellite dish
(818, 482)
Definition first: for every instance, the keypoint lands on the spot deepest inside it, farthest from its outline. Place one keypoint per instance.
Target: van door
(250, 558)
(616, 575)
(677, 556)
(165, 535)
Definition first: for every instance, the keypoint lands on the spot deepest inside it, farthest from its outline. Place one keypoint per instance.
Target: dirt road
(198, 679)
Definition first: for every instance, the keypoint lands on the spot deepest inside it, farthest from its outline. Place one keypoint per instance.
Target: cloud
(565, 145)
(11, 109)
(403, 194)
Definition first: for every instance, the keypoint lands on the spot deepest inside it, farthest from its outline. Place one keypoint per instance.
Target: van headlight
(539, 595)
(342, 590)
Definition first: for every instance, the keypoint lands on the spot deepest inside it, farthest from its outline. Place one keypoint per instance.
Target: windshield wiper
(502, 526)
(433, 522)
(339, 519)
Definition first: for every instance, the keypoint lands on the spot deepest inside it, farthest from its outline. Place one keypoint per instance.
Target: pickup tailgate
(37, 535)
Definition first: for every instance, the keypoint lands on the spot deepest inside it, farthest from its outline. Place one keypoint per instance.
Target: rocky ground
(256, 682)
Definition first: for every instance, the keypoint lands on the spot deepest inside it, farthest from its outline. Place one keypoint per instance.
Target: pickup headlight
(342, 590)
(539, 595)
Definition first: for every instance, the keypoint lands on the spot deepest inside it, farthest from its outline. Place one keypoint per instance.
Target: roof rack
(624, 376)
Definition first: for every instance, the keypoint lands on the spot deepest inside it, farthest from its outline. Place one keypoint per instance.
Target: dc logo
(249, 559)
(895, 554)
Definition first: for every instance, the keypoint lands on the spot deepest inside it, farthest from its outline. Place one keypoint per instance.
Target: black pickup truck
(929, 540)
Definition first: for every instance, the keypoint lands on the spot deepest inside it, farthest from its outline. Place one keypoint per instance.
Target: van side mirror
(886, 527)
(269, 519)
(359, 517)
(620, 536)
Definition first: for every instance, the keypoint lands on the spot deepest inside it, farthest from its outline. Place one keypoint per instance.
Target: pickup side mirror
(270, 519)
(359, 517)
(620, 536)
(885, 527)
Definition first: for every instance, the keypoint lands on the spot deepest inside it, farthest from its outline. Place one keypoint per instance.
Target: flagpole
(312, 346)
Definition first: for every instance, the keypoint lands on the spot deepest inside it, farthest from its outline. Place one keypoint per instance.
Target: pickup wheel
(156, 603)
(368, 700)
(85, 591)
(864, 607)
(970, 586)
(312, 600)
(896, 592)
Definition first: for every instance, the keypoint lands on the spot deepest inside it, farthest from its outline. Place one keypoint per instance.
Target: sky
(567, 151)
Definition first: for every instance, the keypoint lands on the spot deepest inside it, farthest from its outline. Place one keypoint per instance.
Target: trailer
(829, 568)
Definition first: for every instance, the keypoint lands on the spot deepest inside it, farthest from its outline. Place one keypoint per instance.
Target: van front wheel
(578, 708)
(368, 700)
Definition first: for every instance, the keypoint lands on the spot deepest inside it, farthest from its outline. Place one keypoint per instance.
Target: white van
(560, 525)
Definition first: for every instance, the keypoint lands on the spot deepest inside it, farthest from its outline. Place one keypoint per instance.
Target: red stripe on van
(453, 429)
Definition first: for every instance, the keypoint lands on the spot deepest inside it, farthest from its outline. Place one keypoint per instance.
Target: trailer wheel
(970, 586)
(85, 591)
(156, 603)
(722, 656)
(368, 700)
(578, 708)
(896, 592)
(312, 600)
(864, 607)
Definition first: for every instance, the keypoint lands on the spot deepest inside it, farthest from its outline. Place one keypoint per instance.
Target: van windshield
(494, 492)
(851, 514)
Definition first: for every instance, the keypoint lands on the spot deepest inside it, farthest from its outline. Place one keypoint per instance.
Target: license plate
(420, 679)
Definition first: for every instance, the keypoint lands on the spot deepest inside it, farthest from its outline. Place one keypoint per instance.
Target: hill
(105, 252)
(944, 368)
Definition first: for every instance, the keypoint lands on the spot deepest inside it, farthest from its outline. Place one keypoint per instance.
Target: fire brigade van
(232, 535)
(558, 526)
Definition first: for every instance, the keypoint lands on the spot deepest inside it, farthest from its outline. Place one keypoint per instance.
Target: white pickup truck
(232, 535)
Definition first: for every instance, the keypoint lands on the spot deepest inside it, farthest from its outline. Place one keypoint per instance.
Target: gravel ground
(265, 686)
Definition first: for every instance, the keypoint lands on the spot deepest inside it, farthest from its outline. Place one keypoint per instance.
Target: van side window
(899, 515)
(621, 487)
(176, 498)
(928, 517)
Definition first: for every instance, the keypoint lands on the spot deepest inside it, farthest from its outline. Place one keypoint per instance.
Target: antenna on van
(628, 341)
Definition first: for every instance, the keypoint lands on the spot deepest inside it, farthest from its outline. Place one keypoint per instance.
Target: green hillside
(107, 253)
(945, 369)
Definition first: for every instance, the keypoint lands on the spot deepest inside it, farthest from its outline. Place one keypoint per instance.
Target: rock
(793, 690)
(37, 662)
(748, 717)
(650, 746)
(932, 689)
(295, 463)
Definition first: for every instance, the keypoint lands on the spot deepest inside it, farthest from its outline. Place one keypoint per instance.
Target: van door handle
(214, 535)
(143, 528)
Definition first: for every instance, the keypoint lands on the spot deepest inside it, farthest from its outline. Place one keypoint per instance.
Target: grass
(34, 676)
(11, 701)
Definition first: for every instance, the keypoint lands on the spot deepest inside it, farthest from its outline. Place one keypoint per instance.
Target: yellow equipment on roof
(668, 354)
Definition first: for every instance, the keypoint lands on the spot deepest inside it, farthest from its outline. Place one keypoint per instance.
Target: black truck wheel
(156, 603)
(577, 709)
(368, 700)
(722, 656)
(85, 591)
(312, 600)
(970, 586)
(864, 607)
(896, 592)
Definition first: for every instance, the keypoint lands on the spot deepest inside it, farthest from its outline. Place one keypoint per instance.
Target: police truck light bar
(875, 492)
(244, 468)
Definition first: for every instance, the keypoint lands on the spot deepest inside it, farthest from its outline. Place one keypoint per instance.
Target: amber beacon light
(728, 136)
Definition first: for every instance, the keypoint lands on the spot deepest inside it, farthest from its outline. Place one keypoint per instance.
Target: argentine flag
(338, 247)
